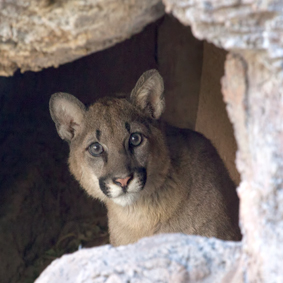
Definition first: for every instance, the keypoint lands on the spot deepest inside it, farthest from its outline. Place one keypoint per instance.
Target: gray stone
(43, 33)
(172, 258)
(249, 25)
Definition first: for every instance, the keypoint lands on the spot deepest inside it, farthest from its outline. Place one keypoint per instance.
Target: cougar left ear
(68, 114)
(147, 95)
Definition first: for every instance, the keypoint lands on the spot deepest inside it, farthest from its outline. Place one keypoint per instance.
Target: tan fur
(177, 182)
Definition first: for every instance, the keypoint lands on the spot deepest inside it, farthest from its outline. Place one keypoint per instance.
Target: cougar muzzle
(124, 189)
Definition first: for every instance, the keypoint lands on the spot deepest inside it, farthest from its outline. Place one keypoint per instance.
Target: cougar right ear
(147, 95)
(67, 112)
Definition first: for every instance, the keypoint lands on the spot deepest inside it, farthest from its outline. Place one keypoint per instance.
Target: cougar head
(117, 151)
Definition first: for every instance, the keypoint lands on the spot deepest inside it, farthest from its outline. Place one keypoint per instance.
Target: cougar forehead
(111, 121)
(111, 117)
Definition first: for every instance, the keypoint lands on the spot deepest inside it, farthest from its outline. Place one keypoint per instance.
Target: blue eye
(95, 149)
(135, 139)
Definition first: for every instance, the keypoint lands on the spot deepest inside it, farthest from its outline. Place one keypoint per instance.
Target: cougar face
(113, 144)
(116, 150)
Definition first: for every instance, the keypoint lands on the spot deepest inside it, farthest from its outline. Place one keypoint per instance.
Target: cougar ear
(68, 113)
(147, 95)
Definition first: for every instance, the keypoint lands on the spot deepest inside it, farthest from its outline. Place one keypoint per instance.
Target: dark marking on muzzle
(103, 186)
(141, 175)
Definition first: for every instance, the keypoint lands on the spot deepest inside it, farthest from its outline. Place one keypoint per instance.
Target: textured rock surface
(164, 258)
(235, 25)
(255, 103)
(36, 34)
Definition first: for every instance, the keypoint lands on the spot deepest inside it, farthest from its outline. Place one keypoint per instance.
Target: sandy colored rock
(39, 34)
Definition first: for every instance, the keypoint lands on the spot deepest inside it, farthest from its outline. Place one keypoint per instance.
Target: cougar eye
(95, 149)
(135, 139)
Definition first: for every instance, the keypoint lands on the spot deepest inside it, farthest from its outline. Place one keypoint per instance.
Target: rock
(36, 34)
(249, 25)
(172, 258)
(253, 94)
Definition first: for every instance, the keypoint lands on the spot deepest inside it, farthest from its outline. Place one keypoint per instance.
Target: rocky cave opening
(44, 213)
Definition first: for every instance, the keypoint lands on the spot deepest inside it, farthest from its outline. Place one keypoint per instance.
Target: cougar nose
(123, 182)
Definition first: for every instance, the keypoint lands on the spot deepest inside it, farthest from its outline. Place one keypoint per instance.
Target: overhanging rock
(36, 34)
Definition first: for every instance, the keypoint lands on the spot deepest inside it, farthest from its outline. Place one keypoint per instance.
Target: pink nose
(123, 182)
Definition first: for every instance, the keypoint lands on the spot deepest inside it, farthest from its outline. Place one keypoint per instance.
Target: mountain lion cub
(153, 178)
